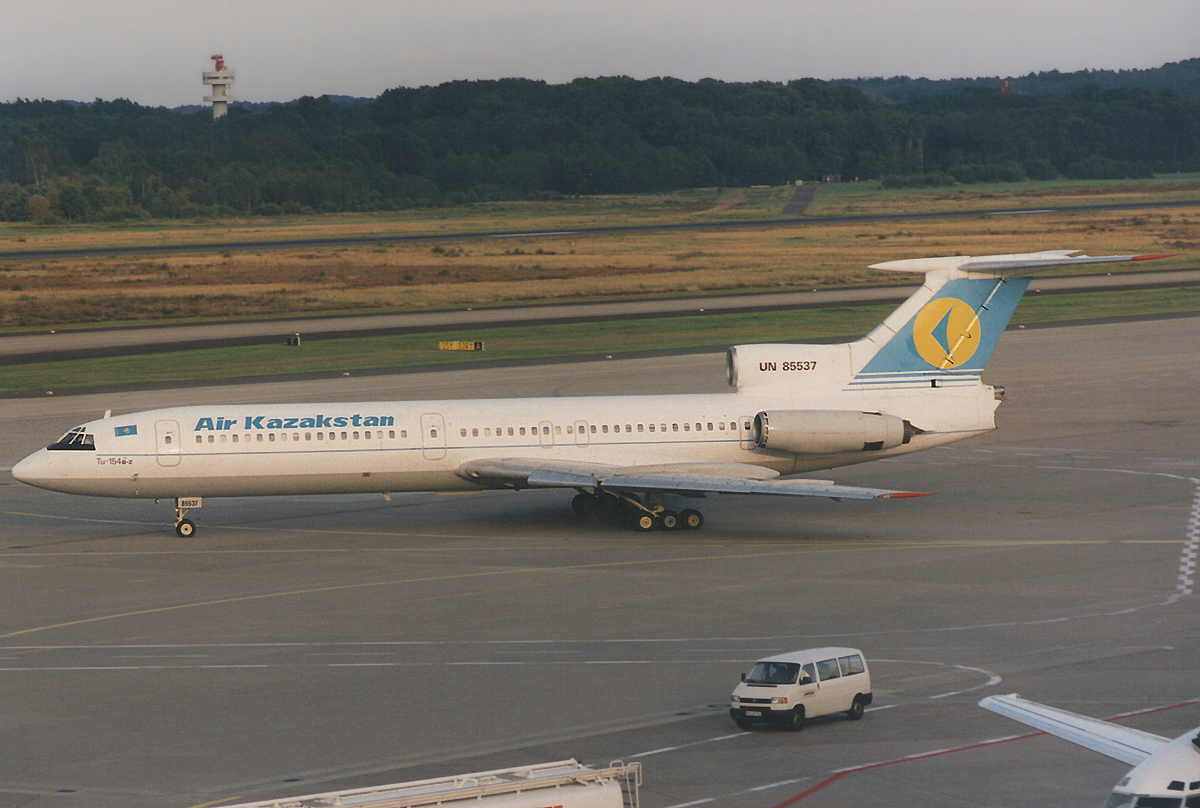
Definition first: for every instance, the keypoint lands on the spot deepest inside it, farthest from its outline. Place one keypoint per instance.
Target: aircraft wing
(1130, 746)
(683, 478)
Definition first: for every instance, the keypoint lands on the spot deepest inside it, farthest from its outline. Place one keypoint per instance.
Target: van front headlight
(735, 699)
(779, 699)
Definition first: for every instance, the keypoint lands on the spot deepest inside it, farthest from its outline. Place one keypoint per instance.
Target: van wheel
(856, 709)
(795, 720)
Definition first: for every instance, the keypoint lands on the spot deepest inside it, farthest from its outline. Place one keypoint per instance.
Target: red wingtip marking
(1153, 257)
(905, 495)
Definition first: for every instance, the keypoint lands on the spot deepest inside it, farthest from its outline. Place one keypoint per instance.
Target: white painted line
(688, 745)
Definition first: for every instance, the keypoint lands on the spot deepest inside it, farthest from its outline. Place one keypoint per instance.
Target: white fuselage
(243, 450)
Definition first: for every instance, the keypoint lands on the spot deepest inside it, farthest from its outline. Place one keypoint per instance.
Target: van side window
(851, 664)
(808, 674)
(828, 669)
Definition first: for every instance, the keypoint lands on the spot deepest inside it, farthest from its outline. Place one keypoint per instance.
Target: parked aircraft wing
(1128, 745)
(685, 478)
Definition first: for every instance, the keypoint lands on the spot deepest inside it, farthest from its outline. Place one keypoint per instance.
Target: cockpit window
(1119, 800)
(78, 438)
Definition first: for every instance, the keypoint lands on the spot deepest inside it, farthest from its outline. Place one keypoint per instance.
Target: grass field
(377, 277)
(352, 355)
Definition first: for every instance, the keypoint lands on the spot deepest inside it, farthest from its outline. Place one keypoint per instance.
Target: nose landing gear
(185, 528)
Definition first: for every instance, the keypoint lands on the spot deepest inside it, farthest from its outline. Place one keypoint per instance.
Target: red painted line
(1153, 257)
(938, 753)
(868, 766)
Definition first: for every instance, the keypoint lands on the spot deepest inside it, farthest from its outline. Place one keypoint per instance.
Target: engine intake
(830, 431)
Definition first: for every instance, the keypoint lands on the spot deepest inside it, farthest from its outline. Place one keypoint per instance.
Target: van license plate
(753, 712)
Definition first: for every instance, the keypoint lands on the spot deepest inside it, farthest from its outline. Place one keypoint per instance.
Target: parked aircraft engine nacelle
(830, 431)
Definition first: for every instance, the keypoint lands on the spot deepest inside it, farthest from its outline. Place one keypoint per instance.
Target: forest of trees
(521, 139)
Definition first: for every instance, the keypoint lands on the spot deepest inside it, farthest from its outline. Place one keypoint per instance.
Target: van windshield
(773, 673)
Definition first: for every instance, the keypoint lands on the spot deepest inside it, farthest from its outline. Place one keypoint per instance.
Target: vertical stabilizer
(944, 334)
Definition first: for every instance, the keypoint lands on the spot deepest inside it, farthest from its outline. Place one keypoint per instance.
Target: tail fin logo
(946, 332)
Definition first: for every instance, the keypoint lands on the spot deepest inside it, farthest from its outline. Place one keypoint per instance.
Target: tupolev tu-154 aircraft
(913, 383)
(1165, 774)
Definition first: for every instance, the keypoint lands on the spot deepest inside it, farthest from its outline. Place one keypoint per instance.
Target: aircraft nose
(32, 470)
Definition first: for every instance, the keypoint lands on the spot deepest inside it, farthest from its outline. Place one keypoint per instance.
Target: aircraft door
(433, 436)
(581, 433)
(746, 431)
(167, 442)
(547, 434)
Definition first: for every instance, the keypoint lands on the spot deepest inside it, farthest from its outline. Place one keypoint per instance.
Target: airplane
(912, 383)
(1165, 774)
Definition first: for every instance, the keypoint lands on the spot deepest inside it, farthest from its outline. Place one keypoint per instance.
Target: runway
(301, 645)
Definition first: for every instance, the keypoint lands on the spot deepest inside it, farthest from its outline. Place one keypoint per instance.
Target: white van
(789, 688)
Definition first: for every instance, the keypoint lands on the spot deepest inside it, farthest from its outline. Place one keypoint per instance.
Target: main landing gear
(630, 511)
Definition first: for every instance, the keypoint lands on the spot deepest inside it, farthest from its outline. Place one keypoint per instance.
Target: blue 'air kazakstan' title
(313, 422)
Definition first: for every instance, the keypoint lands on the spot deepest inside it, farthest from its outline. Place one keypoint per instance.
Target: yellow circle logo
(946, 333)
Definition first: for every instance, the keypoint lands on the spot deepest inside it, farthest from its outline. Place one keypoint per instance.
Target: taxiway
(301, 645)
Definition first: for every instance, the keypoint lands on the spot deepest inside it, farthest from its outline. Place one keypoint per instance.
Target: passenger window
(199, 439)
(474, 432)
(510, 430)
(593, 429)
(674, 427)
(651, 427)
(828, 669)
(639, 427)
(604, 429)
(808, 674)
(320, 436)
(687, 427)
(522, 430)
(235, 438)
(308, 436)
(545, 430)
(569, 428)
(710, 428)
(851, 664)
(272, 437)
(462, 433)
(487, 431)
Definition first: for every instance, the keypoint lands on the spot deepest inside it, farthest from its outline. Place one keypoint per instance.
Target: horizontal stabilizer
(1001, 265)
(1121, 743)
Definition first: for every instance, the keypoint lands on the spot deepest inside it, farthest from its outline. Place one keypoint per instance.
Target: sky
(153, 51)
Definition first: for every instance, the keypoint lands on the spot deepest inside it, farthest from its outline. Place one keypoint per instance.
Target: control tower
(219, 79)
